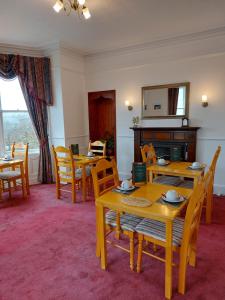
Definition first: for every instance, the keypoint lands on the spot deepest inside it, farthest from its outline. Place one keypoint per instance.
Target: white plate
(7, 159)
(177, 200)
(129, 189)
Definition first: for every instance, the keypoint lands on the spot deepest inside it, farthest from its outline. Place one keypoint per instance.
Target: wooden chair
(149, 157)
(148, 154)
(105, 178)
(209, 199)
(65, 171)
(18, 151)
(97, 148)
(185, 232)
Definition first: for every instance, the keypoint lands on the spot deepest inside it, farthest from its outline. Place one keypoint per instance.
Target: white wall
(74, 104)
(200, 62)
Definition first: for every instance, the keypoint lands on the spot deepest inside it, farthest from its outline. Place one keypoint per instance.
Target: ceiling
(114, 23)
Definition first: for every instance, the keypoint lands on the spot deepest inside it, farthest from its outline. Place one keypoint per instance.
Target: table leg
(84, 183)
(195, 182)
(101, 236)
(169, 260)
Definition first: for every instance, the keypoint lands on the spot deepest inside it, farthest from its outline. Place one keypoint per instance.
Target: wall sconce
(205, 101)
(127, 103)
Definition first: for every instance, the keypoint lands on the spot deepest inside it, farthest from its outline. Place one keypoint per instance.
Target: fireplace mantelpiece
(183, 137)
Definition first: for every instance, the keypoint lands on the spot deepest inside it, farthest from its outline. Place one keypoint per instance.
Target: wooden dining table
(83, 161)
(12, 164)
(159, 210)
(180, 169)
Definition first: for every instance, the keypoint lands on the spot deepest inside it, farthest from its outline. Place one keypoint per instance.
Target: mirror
(165, 101)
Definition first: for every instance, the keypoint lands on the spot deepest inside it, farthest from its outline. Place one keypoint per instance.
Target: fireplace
(175, 144)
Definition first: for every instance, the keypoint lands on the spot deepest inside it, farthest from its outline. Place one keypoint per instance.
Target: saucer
(164, 164)
(177, 200)
(7, 159)
(195, 168)
(129, 189)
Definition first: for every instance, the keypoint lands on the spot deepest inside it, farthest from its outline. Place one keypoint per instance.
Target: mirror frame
(171, 85)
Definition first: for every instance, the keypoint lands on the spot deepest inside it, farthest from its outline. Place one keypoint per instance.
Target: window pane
(18, 128)
(11, 95)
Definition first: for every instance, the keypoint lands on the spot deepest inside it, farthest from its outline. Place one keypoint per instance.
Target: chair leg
(74, 192)
(98, 253)
(192, 258)
(140, 247)
(58, 192)
(10, 192)
(131, 236)
(209, 209)
(182, 273)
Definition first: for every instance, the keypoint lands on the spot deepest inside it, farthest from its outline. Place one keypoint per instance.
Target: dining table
(158, 210)
(180, 169)
(12, 164)
(83, 161)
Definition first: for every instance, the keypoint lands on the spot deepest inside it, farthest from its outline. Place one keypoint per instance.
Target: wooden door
(102, 118)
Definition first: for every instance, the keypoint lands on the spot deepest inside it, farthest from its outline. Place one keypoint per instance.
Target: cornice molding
(47, 49)
(170, 41)
(21, 50)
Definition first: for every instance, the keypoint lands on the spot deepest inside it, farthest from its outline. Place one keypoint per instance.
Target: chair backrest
(97, 147)
(105, 176)
(193, 216)
(64, 164)
(148, 154)
(215, 159)
(20, 151)
(75, 149)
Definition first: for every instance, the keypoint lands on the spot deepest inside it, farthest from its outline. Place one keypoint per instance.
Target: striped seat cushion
(188, 184)
(157, 230)
(79, 172)
(9, 174)
(127, 221)
(169, 180)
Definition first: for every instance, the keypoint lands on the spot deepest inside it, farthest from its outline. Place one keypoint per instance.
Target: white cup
(7, 156)
(161, 161)
(196, 165)
(126, 184)
(90, 153)
(171, 195)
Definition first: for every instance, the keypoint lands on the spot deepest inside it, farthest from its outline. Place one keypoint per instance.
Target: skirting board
(218, 189)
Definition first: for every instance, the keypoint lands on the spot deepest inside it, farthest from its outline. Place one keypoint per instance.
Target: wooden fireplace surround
(175, 135)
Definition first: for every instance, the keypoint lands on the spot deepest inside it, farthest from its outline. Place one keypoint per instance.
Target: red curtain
(173, 94)
(35, 80)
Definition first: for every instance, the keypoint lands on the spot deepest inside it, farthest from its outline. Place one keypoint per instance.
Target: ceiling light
(58, 6)
(81, 2)
(69, 5)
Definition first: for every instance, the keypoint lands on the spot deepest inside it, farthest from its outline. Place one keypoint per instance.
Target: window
(181, 101)
(15, 122)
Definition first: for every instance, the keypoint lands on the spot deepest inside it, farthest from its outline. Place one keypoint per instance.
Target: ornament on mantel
(136, 121)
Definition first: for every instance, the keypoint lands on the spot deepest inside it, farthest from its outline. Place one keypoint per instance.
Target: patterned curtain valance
(34, 72)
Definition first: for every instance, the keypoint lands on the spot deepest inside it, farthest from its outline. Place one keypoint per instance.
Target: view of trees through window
(16, 123)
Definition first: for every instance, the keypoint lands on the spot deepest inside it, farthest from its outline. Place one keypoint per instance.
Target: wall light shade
(58, 6)
(127, 103)
(86, 12)
(205, 100)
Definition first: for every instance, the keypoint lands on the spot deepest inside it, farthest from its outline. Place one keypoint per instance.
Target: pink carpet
(47, 251)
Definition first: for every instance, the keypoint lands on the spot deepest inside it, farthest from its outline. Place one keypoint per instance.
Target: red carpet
(47, 251)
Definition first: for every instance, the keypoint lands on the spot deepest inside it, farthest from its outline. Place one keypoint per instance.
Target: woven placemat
(136, 201)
